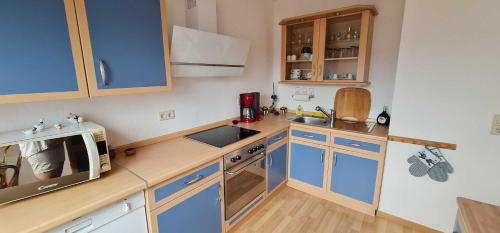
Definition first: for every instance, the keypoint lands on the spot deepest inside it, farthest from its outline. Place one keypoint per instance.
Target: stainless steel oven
(244, 176)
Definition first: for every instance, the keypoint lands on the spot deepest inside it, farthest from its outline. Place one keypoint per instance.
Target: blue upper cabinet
(40, 54)
(125, 45)
(276, 173)
(201, 212)
(307, 163)
(354, 176)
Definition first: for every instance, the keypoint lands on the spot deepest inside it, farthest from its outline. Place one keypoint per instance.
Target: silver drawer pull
(308, 136)
(355, 145)
(196, 179)
(103, 72)
(279, 138)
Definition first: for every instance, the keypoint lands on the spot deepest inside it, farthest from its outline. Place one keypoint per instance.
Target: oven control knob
(261, 146)
(233, 159)
(250, 151)
(238, 157)
(254, 149)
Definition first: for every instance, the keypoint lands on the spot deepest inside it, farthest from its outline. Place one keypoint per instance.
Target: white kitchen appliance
(127, 215)
(48, 159)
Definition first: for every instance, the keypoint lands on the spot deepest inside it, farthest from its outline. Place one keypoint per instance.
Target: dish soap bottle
(299, 111)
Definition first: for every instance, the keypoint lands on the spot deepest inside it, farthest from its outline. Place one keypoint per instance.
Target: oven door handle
(242, 166)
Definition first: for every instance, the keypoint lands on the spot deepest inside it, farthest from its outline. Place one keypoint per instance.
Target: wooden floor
(291, 210)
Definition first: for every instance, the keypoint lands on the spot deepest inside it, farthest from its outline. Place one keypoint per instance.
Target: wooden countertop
(44, 212)
(164, 160)
(479, 217)
(154, 163)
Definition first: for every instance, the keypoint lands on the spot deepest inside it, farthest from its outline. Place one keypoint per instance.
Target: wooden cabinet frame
(366, 12)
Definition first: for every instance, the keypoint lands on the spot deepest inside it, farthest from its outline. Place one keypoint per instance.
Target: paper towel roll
(301, 97)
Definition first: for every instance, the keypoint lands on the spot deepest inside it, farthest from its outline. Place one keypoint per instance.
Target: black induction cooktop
(223, 135)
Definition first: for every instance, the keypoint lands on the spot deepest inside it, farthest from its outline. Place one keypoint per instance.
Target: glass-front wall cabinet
(301, 44)
(331, 47)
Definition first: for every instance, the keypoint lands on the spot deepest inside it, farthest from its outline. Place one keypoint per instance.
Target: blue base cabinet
(276, 166)
(353, 176)
(307, 163)
(198, 211)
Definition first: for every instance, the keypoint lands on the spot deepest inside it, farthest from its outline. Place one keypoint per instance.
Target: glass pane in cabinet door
(299, 51)
(342, 47)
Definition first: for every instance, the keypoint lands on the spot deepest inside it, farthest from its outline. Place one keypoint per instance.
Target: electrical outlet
(167, 115)
(495, 128)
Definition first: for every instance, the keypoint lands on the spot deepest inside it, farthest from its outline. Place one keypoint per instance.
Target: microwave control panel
(102, 148)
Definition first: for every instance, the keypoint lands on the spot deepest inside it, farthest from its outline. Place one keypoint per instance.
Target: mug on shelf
(295, 74)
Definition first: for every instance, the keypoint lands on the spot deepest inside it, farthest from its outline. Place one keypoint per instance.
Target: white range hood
(197, 50)
(197, 53)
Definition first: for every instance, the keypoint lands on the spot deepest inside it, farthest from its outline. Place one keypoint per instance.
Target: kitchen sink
(311, 120)
(359, 127)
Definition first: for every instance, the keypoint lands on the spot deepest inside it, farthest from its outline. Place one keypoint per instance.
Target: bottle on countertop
(384, 118)
(299, 111)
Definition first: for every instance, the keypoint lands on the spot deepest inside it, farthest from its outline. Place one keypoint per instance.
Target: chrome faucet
(330, 115)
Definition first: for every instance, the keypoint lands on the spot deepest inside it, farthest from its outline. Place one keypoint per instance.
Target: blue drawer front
(357, 144)
(199, 213)
(127, 36)
(306, 164)
(354, 177)
(180, 184)
(35, 48)
(309, 135)
(277, 137)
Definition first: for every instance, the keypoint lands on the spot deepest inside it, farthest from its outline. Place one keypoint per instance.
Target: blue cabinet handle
(334, 159)
(322, 157)
(196, 179)
(270, 160)
(103, 72)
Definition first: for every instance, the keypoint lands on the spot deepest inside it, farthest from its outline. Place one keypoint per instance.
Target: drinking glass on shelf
(339, 36)
(300, 39)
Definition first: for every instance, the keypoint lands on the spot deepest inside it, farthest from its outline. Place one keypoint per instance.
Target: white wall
(197, 101)
(387, 31)
(447, 89)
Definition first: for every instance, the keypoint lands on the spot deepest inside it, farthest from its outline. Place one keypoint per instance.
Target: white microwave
(51, 159)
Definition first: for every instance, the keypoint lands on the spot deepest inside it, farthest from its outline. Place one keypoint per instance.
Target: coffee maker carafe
(249, 107)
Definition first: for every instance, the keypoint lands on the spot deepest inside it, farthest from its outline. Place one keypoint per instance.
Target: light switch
(495, 128)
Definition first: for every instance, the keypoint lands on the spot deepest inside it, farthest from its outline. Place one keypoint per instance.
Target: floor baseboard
(405, 222)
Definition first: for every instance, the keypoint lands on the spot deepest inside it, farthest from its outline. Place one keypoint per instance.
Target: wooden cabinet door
(40, 54)
(276, 173)
(353, 176)
(197, 211)
(307, 163)
(125, 45)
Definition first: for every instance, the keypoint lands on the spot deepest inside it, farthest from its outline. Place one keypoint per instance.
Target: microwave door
(94, 168)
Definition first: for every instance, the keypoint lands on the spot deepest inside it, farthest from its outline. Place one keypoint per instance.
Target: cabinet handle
(279, 138)
(322, 157)
(196, 179)
(103, 72)
(334, 159)
(270, 160)
(219, 199)
(308, 136)
(355, 145)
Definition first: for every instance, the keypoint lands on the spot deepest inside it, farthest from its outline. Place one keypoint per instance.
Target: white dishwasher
(124, 216)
